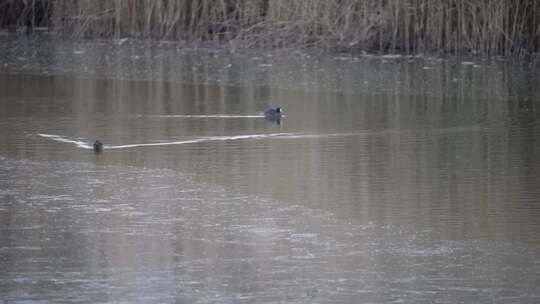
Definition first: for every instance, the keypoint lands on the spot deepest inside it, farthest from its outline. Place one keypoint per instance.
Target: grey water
(390, 179)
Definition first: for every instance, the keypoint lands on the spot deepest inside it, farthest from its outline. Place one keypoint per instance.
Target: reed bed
(482, 27)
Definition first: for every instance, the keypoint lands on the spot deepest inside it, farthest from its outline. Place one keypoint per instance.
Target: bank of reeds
(484, 27)
(25, 13)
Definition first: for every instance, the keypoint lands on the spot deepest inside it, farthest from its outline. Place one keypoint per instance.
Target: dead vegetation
(478, 27)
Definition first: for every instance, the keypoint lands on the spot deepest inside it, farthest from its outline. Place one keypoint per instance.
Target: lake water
(391, 179)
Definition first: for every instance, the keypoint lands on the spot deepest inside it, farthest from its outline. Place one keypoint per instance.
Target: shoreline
(226, 47)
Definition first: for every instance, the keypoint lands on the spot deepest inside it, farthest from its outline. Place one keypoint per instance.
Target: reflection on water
(96, 233)
(405, 180)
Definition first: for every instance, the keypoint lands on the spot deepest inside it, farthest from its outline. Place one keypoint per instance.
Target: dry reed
(483, 27)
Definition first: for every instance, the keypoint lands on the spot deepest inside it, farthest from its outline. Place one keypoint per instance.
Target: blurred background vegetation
(458, 27)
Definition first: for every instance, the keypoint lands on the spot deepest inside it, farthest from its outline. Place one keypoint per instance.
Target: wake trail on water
(202, 116)
(202, 139)
(78, 142)
(85, 144)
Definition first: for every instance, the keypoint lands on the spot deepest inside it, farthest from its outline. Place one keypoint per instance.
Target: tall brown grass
(484, 27)
(25, 13)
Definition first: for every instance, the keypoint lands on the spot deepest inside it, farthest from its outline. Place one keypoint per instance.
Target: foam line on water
(203, 116)
(327, 135)
(86, 145)
(60, 138)
(234, 137)
(81, 143)
(202, 139)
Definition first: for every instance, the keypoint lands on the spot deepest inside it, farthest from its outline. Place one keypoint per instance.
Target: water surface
(390, 179)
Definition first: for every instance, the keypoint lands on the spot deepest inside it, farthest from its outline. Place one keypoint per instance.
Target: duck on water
(98, 146)
(270, 114)
(273, 114)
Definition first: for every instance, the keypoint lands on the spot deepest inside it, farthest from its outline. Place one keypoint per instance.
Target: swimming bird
(273, 114)
(98, 146)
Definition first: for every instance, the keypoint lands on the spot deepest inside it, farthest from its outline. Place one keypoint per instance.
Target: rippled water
(389, 179)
